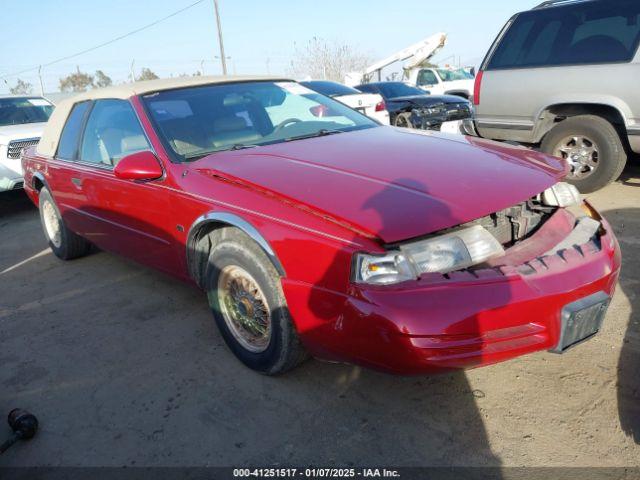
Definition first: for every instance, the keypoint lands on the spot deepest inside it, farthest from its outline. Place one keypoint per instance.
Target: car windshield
(331, 89)
(22, 110)
(451, 75)
(399, 89)
(197, 121)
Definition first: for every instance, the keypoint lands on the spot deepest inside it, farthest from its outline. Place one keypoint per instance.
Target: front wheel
(64, 243)
(593, 149)
(403, 120)
(248, 305)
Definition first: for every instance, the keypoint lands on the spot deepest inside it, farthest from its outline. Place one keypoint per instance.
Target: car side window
(577, 34)
(68, 144)
(427, 77)
(112, 132)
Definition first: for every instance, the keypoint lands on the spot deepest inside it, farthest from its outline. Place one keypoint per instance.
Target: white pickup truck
(22, 119)
(443, 81)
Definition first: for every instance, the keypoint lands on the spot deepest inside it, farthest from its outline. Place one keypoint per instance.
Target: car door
(126, 217)
(427, 79)
(62, 173)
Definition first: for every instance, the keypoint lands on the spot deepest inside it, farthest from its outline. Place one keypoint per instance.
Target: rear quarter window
(582, 33)
(68, 144)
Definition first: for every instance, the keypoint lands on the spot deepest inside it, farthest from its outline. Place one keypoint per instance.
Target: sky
(260, 36)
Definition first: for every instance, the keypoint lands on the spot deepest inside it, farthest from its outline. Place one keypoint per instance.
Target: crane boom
(415, 56)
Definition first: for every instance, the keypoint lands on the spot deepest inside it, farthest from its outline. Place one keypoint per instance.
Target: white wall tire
(273, 346)
(64, 243)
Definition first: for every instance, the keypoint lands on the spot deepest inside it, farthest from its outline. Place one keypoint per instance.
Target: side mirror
(139, 166)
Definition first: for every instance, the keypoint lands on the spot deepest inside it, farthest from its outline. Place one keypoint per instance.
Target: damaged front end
(547, 225)
(432, 117)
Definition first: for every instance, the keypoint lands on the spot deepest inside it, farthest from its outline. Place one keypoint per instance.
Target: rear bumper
(463, 321)
(382, 117)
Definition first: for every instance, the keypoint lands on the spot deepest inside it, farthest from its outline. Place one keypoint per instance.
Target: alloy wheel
(581, 153)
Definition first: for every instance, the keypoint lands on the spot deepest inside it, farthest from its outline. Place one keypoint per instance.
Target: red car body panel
(319, 201)
(449, 181)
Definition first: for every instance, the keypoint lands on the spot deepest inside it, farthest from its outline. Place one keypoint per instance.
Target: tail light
(476, 88)
(381, 107)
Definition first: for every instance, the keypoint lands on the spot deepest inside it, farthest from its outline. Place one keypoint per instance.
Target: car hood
(20, 132)
(387, 183)
(427, 100)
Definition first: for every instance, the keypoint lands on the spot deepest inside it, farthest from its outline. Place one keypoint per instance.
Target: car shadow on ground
(631, 174)
(13, 203)
(627, 227)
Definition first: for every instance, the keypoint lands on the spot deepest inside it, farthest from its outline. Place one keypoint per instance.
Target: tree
(102, 79)
(21, 88)
(320, 59)
(76, 82)
(147, 74)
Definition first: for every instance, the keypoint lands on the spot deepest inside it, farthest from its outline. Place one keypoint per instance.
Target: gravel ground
(124, 367)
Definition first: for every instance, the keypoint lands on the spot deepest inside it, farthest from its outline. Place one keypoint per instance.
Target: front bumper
(424, 121)
(10, 174)
(462, 320)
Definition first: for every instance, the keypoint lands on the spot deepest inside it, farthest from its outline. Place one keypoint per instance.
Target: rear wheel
(64, 243)
(593, 149)
(248, 305)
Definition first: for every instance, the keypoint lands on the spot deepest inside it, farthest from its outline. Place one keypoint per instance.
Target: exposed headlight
(444, 254)
(561, 195)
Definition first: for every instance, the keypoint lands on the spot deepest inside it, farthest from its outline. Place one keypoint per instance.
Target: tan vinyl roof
(49, 141)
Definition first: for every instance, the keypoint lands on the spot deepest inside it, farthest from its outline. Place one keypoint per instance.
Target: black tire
(612, 156)
(69, 245)
(231, 248)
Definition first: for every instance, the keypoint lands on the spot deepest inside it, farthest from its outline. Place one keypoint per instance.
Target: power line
(104, 44)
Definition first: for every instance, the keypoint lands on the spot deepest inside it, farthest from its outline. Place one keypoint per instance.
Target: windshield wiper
(242, 146)
(237, 146)
(320, 133)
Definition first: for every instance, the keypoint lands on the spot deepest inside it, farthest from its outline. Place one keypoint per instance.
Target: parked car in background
(22, 119)
(391, 248)
(411, 107)
(564, 77)
(371, 104)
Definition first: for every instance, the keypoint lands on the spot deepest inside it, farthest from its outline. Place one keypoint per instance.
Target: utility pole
(41, 82)
(223, 59)
(133, 75)
(202, 67)
(225, 62)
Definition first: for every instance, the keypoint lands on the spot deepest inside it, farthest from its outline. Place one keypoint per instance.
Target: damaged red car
(316, 231)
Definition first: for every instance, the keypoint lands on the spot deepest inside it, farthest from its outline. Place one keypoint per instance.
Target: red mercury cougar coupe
(315, 230)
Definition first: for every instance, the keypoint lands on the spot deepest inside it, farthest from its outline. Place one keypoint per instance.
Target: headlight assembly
(443, 254)
(561, 195)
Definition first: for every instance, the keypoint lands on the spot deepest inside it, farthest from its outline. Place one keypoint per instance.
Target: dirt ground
(123, 366)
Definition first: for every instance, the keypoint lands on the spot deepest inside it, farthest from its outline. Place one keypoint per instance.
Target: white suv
(22, 119)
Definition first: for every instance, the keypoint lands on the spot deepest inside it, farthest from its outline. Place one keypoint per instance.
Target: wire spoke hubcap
(52, 224)
(244, 308)
(581, 153)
